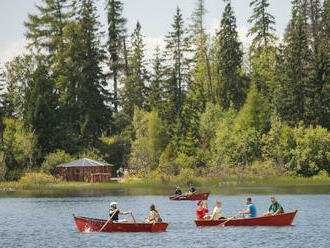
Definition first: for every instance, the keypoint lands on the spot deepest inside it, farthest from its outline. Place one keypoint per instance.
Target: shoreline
(227, 183)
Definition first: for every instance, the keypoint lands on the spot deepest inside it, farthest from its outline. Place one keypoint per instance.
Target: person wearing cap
(114, 212)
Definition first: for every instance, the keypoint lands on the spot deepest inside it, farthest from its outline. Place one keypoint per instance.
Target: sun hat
(113, 203)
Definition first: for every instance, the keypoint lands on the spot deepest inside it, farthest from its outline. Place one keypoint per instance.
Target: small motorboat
(192, 197)
(85, 224)
(284, 219)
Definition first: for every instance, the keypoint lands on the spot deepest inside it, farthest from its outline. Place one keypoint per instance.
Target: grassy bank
(198, 181)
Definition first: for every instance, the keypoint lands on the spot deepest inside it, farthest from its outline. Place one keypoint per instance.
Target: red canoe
(193, 197)
(285, 219)
(85, 224)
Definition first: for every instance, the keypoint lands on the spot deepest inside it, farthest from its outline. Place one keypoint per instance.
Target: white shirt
(216, 213)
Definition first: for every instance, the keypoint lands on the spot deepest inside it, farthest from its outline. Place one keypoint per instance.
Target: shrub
(311, 153)
(35, 179)
(54, 159)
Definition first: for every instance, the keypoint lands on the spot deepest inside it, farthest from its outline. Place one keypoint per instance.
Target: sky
(155, 17)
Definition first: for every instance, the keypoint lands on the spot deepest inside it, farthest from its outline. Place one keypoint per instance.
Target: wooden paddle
(133, 217)
(223, 223)
(108, 220)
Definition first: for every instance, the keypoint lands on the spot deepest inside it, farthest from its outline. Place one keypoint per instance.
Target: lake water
(28, 220)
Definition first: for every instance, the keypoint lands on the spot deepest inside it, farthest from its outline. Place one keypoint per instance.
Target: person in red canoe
(192, 190)
(201, 210)
(154, 215)
(114, 212)
(274, 208)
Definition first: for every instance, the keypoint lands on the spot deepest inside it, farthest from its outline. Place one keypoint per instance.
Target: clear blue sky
(154, 16)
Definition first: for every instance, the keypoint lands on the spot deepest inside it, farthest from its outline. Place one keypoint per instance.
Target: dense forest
(202, 106)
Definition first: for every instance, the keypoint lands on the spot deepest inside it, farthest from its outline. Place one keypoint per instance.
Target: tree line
(202, 106)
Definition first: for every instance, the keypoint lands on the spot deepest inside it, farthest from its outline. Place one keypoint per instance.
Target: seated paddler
(178, 191)
(251, 210)
(114, 213)
(274, 208)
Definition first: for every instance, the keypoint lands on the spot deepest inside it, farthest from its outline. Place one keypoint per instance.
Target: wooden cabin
(85, 170)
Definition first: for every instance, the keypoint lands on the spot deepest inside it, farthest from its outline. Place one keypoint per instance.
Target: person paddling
(114, 212)
(201, 210)
(274, 208)
(192, 190)
(154, 216)
(178, 191)
(251, 210)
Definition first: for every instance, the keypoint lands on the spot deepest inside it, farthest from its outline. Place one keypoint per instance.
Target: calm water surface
(47, 221)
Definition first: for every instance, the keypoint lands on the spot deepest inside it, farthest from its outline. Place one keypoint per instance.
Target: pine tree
(263, 25)
(41, 107)
(262, 49)
(115, 45)
(314, 13)
(134, 88)
(157, 77)
(200, 88)
(176, 71)
(298, 66)
(83, 97)
(45, 30)
(322, 76)
(230, 87)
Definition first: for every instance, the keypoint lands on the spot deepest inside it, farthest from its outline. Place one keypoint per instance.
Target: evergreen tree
(134, 89)
(297, 55)
(83, 98)
(230, 87)
(314, 12)
(322, 76)
(41, 107)
(200, 88)
(176, 71)
(157, 77)
(45, 30)
(263, 24)
(116, 41)
(262, 49)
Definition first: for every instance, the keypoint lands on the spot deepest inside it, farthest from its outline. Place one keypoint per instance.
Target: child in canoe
(154, 216)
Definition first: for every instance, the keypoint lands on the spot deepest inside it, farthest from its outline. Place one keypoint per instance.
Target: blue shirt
(253, 211)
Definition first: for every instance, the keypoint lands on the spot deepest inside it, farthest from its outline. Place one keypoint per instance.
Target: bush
(311, 153)
(54, 159)
(35, 179)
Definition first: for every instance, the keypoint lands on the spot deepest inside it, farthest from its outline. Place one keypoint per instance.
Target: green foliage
(195, 111)
(229, 84)
(263, 24)
(53, 159)
(19, 147)
(3, 167)
(114, 149)
(134, 86)
(36, 179)
(150, 140)
(311, 153)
